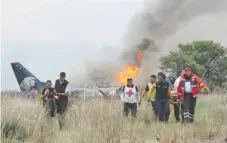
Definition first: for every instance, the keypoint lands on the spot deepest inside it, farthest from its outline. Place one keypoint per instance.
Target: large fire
(131, 71)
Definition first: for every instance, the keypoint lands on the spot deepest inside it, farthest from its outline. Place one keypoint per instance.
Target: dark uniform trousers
(162, 101)
(61, 106)
(188, 108)
(130, 107)
(154, 108)
(163, 110)
(177, 109)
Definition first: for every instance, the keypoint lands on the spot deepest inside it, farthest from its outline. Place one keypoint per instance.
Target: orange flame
(131, 71)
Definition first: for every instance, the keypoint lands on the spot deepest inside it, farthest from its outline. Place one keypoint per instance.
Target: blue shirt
(168, 81)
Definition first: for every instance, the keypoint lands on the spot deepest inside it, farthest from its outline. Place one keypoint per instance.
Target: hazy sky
(49, 36)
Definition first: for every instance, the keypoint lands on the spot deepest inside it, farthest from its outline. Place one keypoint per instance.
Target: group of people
(55, 99)
(161, 92)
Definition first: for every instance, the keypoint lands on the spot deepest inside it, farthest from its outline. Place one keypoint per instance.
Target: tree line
(208, 59)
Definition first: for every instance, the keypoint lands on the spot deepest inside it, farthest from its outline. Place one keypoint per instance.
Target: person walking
(177, 105)
(189, 89)
(152, 99)
(129, 98)
(48, 99)
(166, 80)
(162, 98)
(62, 90)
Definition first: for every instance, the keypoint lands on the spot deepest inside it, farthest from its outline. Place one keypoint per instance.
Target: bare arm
(63, 94)
(142, 95)
(144, 92)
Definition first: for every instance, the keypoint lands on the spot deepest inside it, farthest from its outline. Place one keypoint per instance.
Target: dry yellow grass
(101, 121)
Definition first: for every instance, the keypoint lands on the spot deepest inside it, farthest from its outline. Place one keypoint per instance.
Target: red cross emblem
(130, 93)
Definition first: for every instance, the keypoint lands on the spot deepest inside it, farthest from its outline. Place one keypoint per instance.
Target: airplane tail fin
(26, 80)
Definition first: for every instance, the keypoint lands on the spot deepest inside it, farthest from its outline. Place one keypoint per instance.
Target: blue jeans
(163, 110)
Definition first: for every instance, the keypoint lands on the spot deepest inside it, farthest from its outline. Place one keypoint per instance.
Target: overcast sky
(49, 36)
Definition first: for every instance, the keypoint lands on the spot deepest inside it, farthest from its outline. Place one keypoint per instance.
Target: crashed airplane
(32, 86)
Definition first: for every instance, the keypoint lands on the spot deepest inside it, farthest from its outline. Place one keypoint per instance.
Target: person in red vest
(188, 90)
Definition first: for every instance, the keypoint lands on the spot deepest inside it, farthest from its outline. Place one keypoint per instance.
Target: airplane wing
(111, 91)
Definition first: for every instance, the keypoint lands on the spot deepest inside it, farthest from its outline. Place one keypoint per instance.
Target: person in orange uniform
(162, 98)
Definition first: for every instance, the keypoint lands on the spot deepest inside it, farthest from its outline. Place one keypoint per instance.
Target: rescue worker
(167, 80)
(177, 106)
(62, 90)
(129, 97)
(48, 99)
(162, 98)
(189, 89)
(152, 99)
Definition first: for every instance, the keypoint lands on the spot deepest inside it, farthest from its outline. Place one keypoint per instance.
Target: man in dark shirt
(62, 90)
(162, 97)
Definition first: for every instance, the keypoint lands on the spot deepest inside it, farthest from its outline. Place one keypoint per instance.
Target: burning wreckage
(131, 71)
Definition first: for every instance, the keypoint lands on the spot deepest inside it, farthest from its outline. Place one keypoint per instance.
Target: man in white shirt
(177, 106)
(176, 83)
(129, 97)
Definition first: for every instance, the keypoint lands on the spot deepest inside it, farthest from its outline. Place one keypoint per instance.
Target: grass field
(101, 121)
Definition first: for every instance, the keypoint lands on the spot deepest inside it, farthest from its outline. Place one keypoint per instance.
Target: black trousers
(154, 108)
(50, 108)
(176, 109)
(130, 107)
(61, 106)
(61, 111)
(188, 108)
(163, 110)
